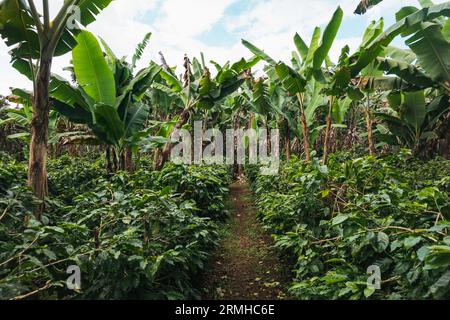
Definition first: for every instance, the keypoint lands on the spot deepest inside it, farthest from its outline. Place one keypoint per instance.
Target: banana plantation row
(86, 178)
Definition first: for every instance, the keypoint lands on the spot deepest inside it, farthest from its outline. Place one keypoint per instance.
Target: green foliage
(92, 71)
(69, 176)
(25, 33)
(151, 232)
(334, 222)
(410, 120)
(11, 172)
(107, 97)
(140, 48)
(206, 185)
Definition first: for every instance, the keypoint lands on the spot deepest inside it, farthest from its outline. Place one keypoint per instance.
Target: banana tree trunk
(287, 141)
(369, 123)
(122, 160)
(165, 154)
(269, 140)
(370, 134)
(115, 160)
(305, 129)
(129, 165)
(109, 165)
(126, 160)
(37, 166)
(237, 169)
(326, 145)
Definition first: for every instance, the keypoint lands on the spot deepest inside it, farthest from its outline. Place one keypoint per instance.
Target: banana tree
(411, 121)
(198, 90)
(430, 46)
(23, 116)
(271, 101)
(422, 25)
(268, 98)
(107, 97)
(295, 79)
(429, 41)
(364, 69)
(34, 37)
(366, 5)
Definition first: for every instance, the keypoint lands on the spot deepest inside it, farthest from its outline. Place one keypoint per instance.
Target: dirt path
(245, 265)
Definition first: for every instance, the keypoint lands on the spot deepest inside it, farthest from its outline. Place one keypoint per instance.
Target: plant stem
(304, 128)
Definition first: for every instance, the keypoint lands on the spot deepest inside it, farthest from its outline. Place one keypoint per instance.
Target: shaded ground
(245, 266)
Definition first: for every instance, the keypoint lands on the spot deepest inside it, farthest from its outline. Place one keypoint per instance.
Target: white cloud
(178, 26)
(190, 18)
(8, 76)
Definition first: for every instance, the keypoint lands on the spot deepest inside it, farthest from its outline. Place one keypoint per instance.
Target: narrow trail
(245, 266)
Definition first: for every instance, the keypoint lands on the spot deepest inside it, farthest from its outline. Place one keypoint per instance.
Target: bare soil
(246, 266)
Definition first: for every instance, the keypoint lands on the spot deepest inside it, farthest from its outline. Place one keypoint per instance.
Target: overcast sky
(214, 27)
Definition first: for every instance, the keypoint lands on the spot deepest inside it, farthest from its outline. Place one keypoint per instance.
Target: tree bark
(165, 154)
(369, 124)
(445, 145)
(269, 139)
(326, 144)
(109, 166)
(37, 166)
(115, 160)
(305, 129)
(287, 141)
(122, 160)
(129, 165)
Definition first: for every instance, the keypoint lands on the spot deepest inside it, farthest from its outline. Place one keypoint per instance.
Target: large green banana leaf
(89, 9)
(433, 52)
(329, 35)
(414, 110)
(136, 116)
(407, 72)
(207, 86)
(92, 70)
(18, 27)
(405, 55)
(292, 81)
(141, 82)
(261, 99)
(229, 87)
(301, 46)
(312, 49)
(387, 84)
(398, 128)
(339, 109)
(108, 123)
(374, 29)
(375, 49)
(172, 81)
(258, 52)
(74, 113)
(62, 90)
